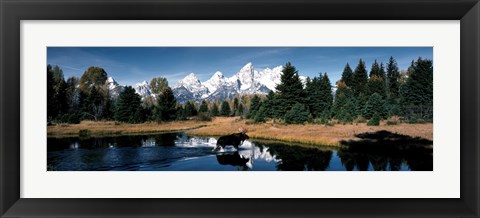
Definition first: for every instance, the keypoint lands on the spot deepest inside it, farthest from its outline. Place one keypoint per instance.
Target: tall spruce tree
(128, 107)
(214, 112)
(166, 106)
(225, 109)
(235, 107)
(377, 70)
(375, 104)
(190, 109)
(203, 107)
(376, 84)
(417, 92)
(347, 75)
(52, 104)
(289, 90)
(240, 109)
(344, 107)
(319, 95)
(360, 79)
(298, 114)
(393, 75)
(269, 105)
(255, 104)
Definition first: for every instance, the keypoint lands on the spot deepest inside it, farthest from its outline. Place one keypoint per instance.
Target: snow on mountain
(113, 87)
(270, 77)
(193, 84)
(246, 81)
(215, 82)
(143, 89)
(246, 78)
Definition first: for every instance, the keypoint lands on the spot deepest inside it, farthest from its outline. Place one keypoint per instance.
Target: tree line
(381, 93)
(90, 98)
(360, 95)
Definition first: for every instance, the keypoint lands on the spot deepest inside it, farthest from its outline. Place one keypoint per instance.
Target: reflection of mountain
(374, 151)
(384, 150)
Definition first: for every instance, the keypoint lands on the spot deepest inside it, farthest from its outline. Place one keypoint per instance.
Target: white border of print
(443, 182)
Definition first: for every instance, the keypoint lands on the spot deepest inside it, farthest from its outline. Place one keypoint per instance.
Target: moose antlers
(242, 130)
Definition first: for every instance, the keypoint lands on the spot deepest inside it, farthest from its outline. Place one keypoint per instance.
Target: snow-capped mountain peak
(111, 83)
(143, 89)
(193, 85)
(215, 82)
(113, 87)
(246, 77)
(247, 80)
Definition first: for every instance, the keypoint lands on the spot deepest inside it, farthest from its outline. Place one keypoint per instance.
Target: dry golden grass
(116, 128)
(310, 133)
(307, 134)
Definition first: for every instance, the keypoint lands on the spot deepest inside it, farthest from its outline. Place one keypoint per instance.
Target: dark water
(181, 152)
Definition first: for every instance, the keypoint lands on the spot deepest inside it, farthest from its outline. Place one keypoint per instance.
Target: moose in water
(235, 139)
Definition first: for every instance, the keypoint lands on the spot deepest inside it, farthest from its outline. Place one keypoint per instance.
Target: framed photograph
(227, 108)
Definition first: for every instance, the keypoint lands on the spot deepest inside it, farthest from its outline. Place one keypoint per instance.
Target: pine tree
(214, 112)
(225, 110)
(190, 109)
(377, 70)
(240, 109)
(360, 79)
(52, 110)
(203, 107)
(375, 120)
(235, 107)
(297, 114)
(260, 116)
(180, 113)
(349, 110)
(254, 106)
(128, 107)
(344, 107)
(393, 75)
(417, 92)
(270, 103)
(319, 95)
(375, 104)
(166, 105)
(376, 85)
(289, 90)
(347, 76)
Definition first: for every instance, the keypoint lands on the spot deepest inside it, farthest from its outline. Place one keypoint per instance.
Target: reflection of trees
(296, 158)
(386, 151)
(166, 139)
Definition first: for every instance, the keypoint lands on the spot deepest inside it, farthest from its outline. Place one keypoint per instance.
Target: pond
(182, 152)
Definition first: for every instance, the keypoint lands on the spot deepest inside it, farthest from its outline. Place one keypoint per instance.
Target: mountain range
(247, 80)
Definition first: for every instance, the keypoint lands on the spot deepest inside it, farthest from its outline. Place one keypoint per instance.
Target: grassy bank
(310, 133)
(115, 128)
(305, 134)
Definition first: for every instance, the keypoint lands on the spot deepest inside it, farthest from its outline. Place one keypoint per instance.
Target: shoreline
(308, 134)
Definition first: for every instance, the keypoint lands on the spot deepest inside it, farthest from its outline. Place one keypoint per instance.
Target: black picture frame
(13, 11)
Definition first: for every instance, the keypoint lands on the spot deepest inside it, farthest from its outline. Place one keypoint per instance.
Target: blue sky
(130, 65)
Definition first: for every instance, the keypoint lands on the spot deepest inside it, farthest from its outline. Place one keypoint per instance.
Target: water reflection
(386, 151)
(234, 159)
(181, 152)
